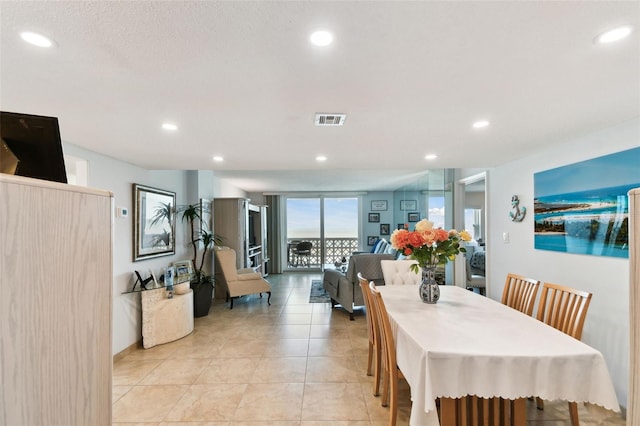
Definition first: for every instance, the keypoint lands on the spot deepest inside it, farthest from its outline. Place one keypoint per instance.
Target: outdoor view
(339, 221)
(340, 218)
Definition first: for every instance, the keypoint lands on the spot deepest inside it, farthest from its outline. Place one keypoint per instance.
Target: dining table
(470, 345)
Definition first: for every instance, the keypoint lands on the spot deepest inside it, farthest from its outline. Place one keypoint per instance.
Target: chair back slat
(388, 345)
(364, 287)
(564, 308)
(520, 293)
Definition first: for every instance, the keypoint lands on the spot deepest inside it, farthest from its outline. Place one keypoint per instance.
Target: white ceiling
(241, 80)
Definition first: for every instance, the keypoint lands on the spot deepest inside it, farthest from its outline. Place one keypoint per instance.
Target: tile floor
(291, 363)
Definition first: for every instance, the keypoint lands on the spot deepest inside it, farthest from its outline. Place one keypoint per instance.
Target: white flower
(424, 225)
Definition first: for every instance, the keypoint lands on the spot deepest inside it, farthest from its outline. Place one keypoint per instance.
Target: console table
(165, 320)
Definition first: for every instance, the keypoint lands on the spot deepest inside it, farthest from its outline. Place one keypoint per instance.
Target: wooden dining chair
(520, 293)
(373, 332)
(565, 309)
(388, 352)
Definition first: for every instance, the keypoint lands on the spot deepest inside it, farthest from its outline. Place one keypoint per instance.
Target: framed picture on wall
(384, 229)
(371, 240)
(379, 205)
(154, 222)
(374, 217)
(413, 217)
(408, 204)
(400, 226)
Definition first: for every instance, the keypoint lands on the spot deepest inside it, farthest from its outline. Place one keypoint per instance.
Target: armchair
(239, 282)
(344, 289)
(476, 271)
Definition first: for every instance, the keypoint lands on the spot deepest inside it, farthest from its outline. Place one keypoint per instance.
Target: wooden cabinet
(55, 303)
(243, 227)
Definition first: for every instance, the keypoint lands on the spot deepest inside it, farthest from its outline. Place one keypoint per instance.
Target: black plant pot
(202, 295)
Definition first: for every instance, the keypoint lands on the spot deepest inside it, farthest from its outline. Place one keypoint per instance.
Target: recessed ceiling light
(321, 38)
(614, 34)
(218, 158)
(480, 124)
(170, 126)
(430, 157)
(36, 39)
(321, 158)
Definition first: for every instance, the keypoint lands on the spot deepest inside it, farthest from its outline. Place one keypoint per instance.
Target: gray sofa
(344, 289)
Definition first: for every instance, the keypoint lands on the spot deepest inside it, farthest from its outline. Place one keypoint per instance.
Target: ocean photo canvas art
(584, 208)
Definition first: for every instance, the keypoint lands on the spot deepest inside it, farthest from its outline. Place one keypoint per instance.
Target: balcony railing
(334, 250)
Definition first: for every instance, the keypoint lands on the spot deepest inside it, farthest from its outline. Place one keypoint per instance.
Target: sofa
(344, 288)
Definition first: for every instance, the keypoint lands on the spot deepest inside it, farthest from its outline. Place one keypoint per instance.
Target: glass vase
(429, 290)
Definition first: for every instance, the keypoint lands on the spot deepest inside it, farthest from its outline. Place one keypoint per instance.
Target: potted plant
(202, 283)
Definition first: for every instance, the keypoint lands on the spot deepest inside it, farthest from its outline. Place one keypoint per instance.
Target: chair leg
(393, 405)
(269, 298)
(231, 304)
(370, 360)
(377, 369)
(573, 413)
(539, 403)
(385, 387)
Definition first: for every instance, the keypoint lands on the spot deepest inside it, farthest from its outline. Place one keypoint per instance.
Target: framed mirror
(154, 222)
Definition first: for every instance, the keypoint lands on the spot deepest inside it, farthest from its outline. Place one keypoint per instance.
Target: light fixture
(218, 158)
(170, 127)
(321, 158)
(480, 124)
(430, 157)
(321, 38)
(614, 35)
(36, 39)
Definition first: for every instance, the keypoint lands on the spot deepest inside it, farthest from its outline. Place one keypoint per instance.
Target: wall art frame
(582, 208)
(374, 217)
(379, 205)
(408, 204)
(154, 218)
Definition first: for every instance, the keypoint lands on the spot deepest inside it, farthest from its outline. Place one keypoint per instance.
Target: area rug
(318, 295)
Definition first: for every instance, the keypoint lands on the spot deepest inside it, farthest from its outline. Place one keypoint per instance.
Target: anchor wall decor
(518, 212)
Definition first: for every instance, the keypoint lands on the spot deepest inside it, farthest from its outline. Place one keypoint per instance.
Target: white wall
(607, 324)
(119, 177)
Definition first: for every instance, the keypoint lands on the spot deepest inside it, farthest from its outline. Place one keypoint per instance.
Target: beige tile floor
(291, 363)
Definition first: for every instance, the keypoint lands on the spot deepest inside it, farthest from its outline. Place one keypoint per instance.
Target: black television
(30, 146)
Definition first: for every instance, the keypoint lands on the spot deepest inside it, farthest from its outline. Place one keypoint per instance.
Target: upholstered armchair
(344, 289)
(476, 271)
(238, 282)
(398, 272)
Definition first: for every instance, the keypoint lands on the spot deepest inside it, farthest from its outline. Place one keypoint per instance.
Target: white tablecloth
(467, 344)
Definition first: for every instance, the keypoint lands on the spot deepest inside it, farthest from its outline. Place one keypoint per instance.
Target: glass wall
(331, 226)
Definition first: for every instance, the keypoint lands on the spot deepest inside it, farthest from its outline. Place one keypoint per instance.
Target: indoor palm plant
(202, 283)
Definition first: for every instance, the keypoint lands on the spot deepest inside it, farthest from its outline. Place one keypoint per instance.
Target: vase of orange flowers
(430, 247)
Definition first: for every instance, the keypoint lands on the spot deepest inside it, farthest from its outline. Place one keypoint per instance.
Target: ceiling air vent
(330, 119)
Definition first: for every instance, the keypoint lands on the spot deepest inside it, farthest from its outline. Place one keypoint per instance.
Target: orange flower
(442, 234)
(414, 239)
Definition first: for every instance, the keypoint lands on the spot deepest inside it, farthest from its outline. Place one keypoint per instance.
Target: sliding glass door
(330, 224)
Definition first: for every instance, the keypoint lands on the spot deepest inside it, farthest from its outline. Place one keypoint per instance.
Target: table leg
(474, 411)
(519, 412)
(448, 412)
